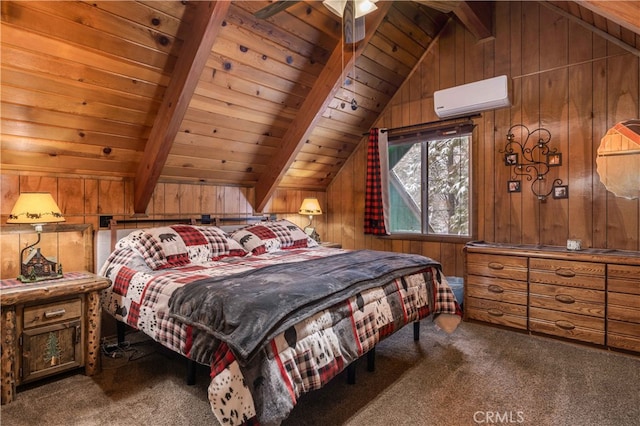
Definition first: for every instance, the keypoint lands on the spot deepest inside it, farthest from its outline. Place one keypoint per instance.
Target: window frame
(433, 132)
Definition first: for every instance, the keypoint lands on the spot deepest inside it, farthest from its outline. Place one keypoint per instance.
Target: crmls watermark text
(498, 417)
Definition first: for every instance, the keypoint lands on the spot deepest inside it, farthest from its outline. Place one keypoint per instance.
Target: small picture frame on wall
(511, 159)
(554, 159)
(561, 191)
(513, 186)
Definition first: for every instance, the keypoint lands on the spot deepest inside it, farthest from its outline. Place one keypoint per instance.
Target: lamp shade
(310, 206)
(362, 7)
(35, 207)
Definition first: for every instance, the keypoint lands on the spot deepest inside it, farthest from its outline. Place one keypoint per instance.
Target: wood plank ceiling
(106, 88)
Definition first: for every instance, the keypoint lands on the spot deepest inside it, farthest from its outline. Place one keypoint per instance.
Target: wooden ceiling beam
(477, 17)
(623, 13)
(321, 94)
(198, 41)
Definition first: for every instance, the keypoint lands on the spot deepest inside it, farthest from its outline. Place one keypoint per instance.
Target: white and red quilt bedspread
(302, 358)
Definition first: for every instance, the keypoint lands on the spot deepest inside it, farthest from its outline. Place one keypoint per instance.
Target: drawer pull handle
(496, 265)
(495, 288)
(564, 272)
(565, 325)
(565, 298)
(53, 314)
(495, 312)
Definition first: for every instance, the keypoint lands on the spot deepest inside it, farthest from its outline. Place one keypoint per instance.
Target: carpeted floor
(478, 375)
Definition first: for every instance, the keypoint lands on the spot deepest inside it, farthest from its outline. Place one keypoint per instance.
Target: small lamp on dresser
(37, 209)
(311, 207)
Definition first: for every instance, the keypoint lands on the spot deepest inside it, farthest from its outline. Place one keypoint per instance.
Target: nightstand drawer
(35, 316)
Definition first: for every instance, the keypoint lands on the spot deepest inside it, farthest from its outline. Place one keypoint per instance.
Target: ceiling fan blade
(273, 8)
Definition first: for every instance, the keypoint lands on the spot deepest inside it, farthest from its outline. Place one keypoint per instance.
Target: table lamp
(37, 209)
(311, 207)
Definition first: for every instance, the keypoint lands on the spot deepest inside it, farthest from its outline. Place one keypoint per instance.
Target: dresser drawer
(507, 314)
(624, 307)
(498, 289)
(623, 335)
(568, 273)
(35, 316)
(567, 325)
(623, 279)
(511, 267)
(567, 299)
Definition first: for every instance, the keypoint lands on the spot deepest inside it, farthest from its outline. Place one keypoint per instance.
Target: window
(430, 182)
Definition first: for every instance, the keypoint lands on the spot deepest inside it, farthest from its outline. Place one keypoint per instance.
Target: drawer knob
(495, 288)
(565, 325)
(496, 265)
(565, 298)
(564, 272)
(53, 314)
(495, 312)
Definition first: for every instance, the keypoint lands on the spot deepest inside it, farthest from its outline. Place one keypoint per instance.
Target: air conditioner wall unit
(472, 98)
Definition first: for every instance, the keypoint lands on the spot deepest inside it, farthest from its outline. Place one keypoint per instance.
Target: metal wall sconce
(533, 162)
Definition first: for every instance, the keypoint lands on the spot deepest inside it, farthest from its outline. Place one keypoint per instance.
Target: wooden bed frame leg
(416, 331)
(351, 373)
(371, 359)
(191, 372)
(120, 330)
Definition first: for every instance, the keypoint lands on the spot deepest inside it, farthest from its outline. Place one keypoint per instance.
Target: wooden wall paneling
(474, 69)
(447, 57)
(333, 196)
(554, 227)
(461, 56)
(171, 198)
(504, 205)
(71, 199)
(553, 39)
(90, 201)
(111, 196)
(358, 191)
(449, 254)
(530, 43)
(530, 117)
(622, 104)
(347, 204)
(10, 260)
(34, 183)
(580, 153)
(10, 191)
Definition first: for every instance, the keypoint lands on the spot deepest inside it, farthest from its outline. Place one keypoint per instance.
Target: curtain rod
(429, 124)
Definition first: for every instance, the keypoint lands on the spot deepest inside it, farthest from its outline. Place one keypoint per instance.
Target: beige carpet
(478, 375)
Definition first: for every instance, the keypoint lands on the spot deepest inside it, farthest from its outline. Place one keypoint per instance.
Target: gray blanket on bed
(248, 309)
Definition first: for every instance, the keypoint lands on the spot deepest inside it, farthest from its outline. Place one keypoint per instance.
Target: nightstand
(330, 245)
(49, 327)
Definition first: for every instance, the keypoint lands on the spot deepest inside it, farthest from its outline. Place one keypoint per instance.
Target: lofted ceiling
(204, 91)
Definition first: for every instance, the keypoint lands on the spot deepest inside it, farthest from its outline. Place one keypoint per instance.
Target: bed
(269, 311)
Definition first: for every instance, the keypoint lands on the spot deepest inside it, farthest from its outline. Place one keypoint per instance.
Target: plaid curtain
(376, 191)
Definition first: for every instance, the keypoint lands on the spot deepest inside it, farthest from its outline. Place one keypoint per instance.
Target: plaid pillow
(178, 245)
(268, 237)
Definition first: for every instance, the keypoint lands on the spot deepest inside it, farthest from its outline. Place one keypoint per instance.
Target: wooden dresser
(590, 296)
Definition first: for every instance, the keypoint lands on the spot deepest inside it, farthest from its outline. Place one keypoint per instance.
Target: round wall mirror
(618, 160)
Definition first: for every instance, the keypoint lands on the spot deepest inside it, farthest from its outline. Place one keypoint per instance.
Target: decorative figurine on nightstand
(37, 209)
